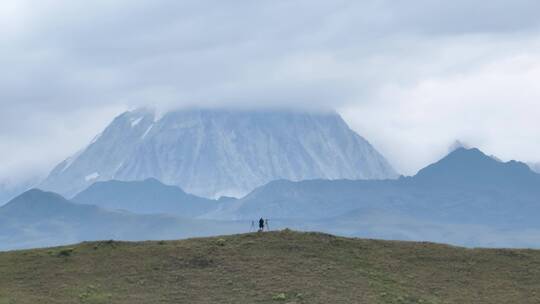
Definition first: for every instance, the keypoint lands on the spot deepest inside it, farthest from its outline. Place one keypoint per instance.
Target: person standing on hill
(261, 225)
(266, 224)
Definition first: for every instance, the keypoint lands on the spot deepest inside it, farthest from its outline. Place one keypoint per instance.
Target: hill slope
(273, 267)
(220, 152)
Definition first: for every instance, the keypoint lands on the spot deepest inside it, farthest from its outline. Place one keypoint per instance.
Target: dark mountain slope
(145, 197)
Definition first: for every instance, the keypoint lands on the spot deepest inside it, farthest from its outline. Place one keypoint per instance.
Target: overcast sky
(410, 76)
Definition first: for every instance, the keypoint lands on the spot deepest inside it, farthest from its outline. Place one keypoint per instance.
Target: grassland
(275, 267)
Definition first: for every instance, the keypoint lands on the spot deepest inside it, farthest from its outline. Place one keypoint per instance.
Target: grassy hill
(275, 267)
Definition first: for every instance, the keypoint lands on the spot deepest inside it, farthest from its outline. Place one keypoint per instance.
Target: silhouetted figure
(266, 224)
(261, 224)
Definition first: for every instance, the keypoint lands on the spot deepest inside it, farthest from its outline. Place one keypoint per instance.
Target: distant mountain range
(467, 186)
(145, 197)
(466, 198)
(37, 218)
(213, 153)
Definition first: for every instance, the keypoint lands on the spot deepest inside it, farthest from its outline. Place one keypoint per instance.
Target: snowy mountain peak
(220, 152)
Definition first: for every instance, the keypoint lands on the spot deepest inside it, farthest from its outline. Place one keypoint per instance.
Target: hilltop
(274, 267)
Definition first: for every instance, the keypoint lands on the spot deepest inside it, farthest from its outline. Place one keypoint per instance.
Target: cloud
(495, 107)
(411, 76)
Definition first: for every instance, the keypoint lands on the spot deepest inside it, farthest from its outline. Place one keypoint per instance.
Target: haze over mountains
(466, 198)
(212, 153)
(146, 177)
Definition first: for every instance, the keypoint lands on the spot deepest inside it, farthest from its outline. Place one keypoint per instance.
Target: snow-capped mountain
(221, 152)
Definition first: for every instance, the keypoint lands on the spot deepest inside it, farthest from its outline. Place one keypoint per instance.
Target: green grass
(276, 267)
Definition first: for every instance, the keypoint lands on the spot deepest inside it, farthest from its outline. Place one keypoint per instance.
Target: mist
(412, 78)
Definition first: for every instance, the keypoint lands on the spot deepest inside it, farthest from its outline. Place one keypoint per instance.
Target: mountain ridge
(38, 218)
(489, 203)
(149, 196)
(468, 165)
(509, 191)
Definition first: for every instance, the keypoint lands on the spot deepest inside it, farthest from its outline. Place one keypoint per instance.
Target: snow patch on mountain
(136, 121)
(147, 131)
(91, 177)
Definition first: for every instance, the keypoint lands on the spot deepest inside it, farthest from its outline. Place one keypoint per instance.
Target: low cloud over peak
(410, 76)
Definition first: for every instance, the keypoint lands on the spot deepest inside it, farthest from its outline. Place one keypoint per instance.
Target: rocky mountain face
(214, 153)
